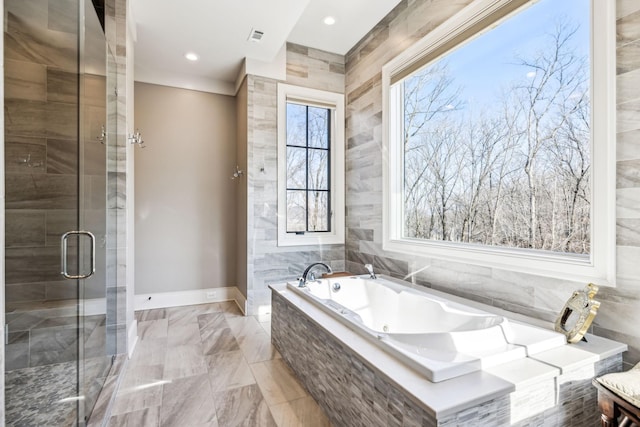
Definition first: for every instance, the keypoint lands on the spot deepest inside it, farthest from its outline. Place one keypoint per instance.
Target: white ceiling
(217, 30)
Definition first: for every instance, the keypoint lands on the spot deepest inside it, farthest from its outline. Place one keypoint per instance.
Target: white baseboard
(181, 298)
(241, 301)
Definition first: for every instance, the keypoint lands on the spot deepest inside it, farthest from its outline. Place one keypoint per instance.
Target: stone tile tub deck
(358, 384)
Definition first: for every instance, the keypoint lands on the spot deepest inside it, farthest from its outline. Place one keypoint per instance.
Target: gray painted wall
(241, 184)
(185, 207)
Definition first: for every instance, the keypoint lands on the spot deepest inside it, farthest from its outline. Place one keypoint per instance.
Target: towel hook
(237, 173)
(136, 138)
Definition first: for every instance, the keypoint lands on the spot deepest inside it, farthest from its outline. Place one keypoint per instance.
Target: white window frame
(600, 265)
(335, 102)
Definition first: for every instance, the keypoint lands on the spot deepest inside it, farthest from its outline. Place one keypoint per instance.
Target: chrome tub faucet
(369, 269)
(302, 281)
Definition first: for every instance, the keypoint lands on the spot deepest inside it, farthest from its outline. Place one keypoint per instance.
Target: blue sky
(482, 66)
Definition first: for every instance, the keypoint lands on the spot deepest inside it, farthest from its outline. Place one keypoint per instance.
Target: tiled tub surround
(358, 385)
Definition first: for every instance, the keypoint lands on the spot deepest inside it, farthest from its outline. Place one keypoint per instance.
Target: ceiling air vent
(255, 35)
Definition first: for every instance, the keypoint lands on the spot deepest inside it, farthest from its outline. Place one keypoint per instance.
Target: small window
(500, 132)
(310, 166)
(308, 154)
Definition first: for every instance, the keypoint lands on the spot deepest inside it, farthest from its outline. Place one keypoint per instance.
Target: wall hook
(136, 138)
(103, 135)
(28, 163)
(237, 173)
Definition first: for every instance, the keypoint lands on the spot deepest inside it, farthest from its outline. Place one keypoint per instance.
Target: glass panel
(296, 168)
(318, 211)
(41, 184)
(318, 127)
(318, 169)
(296, 125)
(95, 360)
(296, 211)
(497, 136)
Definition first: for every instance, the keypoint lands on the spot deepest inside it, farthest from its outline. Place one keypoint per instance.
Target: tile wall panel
(25, 155)
(25, 80)
(24, 228)
(530, 294)
(118, 159)
(266, 262)
(62, 86)
(41, 96)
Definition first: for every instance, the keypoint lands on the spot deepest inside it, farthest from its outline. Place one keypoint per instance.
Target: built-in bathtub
(439, 338)
(361, 380)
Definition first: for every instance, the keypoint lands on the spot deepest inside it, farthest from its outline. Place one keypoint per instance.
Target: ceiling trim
(201, 84)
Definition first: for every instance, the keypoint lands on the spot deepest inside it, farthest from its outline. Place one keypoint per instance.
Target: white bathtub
(438, 337)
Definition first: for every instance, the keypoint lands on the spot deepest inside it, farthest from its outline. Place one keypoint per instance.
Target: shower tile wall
(117, 160)
(266, 262)
(40, 175)
(40, 114)
(534, 295)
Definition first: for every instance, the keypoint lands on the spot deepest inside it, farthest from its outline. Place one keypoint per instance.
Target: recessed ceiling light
(191, 56)
(329, 20)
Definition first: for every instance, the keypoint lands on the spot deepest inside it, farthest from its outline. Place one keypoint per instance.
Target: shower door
(56, 332)
(96, 135)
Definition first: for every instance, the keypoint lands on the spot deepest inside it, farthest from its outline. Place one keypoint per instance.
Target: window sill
(555, 265)
(310, 239)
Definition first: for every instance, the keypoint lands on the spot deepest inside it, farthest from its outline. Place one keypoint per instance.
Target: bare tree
(540, 109)
(516, 176)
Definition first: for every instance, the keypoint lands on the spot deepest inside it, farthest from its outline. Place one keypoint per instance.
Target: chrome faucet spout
(369, 269)
(302, 281)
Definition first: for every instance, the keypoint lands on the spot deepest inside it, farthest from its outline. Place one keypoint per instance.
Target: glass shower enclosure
(58, 128)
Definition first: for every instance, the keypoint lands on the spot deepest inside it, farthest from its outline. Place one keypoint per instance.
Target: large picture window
(494, 139)
(310, 166)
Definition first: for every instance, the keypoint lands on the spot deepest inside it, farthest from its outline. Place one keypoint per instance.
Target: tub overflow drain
(385, 328)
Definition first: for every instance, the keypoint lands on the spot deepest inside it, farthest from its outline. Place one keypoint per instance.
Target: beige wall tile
(62, 86)
(25, 80)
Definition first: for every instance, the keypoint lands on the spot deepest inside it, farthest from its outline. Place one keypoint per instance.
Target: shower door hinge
(116, 92)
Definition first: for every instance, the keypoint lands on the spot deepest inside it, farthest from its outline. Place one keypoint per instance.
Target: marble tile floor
(208, 365)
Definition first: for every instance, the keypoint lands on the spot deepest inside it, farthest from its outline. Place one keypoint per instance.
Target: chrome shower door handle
(64, 250)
